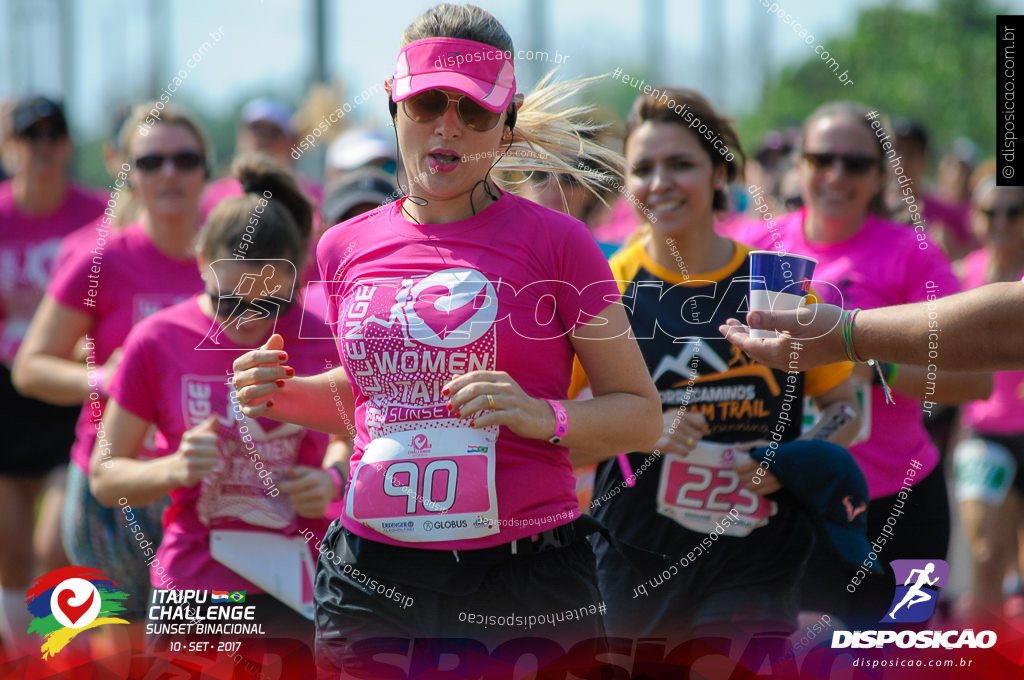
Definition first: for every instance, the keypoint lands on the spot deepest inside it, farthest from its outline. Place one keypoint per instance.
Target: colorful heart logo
(73, 612)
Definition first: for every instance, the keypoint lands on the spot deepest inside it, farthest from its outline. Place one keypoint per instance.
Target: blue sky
(266, 45)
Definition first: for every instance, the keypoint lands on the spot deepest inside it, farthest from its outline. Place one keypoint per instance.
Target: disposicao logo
(69, 600)
(915, 598)
(917, 590)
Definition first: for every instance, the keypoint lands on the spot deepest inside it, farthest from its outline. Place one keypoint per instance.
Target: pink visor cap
(480, 71)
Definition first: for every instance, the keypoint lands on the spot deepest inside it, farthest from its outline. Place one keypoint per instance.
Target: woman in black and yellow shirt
(737, 539)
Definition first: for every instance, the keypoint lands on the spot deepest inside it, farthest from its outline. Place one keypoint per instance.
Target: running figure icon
(246, 311)
(916, 594)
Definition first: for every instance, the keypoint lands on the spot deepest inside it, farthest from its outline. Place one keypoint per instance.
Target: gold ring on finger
(689, 442)
(490, 402)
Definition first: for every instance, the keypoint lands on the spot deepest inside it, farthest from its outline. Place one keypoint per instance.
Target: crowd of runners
(405, 388)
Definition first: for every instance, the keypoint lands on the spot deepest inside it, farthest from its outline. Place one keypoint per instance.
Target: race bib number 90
(427, 485)
(699, 491)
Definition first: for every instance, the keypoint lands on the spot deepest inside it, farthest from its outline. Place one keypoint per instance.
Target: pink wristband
(101, 382)
(561, 421)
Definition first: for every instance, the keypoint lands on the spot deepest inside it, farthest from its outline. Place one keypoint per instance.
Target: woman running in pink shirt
(988, 464)
(459, 310)
(103, 288)
(39, 207)
(225, 473)
(873, 262)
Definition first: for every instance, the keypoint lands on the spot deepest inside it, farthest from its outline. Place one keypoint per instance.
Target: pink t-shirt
(117, 279)
(28, 248)
(417, 304)
(879, 266)
(1002, 412)
(624, 221)
(165, 380)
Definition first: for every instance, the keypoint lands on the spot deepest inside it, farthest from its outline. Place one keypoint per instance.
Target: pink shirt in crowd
(28, 248)
(164, 379)
(880, 265)
(416, 305)
(117, 279)
(1001, 412)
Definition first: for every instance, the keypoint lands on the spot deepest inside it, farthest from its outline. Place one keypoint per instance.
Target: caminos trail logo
(69, 600)
(917, 589)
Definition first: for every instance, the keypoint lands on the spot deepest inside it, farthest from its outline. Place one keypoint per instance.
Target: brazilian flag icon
(237, 596)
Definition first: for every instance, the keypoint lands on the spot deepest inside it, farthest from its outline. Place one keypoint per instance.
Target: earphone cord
(417, 200)
(487, 187)
(420, 201)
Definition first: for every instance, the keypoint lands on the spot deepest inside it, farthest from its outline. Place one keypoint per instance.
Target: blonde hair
(550, 134)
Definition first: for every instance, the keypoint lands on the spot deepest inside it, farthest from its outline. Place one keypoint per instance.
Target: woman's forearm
(324, 403)
(139, 482)
(941, 387)
(975, 330)
(608, 425)
(52, 379)
(838, 424)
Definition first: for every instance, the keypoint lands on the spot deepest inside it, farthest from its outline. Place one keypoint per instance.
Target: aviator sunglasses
(852, 163)
(183, 161)
(429, 105)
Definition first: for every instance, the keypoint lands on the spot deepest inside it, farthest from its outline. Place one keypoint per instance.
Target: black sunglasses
(1011, 213)
(183, 161)
(852, 163)
(38, 133)
(793, 203)
(429, 105)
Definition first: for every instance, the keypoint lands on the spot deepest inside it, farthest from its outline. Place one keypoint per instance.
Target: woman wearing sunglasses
(680, 279)
(224, 472)
(39, 207)
(989, 463)
(459, 310)
(866, 261)
(106, 286)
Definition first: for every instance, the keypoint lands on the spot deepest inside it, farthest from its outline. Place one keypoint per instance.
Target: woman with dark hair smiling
(709, 485)
(460, 308)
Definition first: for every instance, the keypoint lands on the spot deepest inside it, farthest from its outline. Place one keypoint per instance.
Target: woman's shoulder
(185, 315)
(541, 217)
(368, 225)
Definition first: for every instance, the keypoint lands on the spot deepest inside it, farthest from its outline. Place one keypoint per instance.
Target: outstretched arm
(977, 330)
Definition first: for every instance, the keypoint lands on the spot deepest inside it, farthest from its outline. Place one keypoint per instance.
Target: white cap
(355, 148)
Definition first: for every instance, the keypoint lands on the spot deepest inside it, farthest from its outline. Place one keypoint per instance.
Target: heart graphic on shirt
(73, 612)
(436, 307)
(450, 308)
